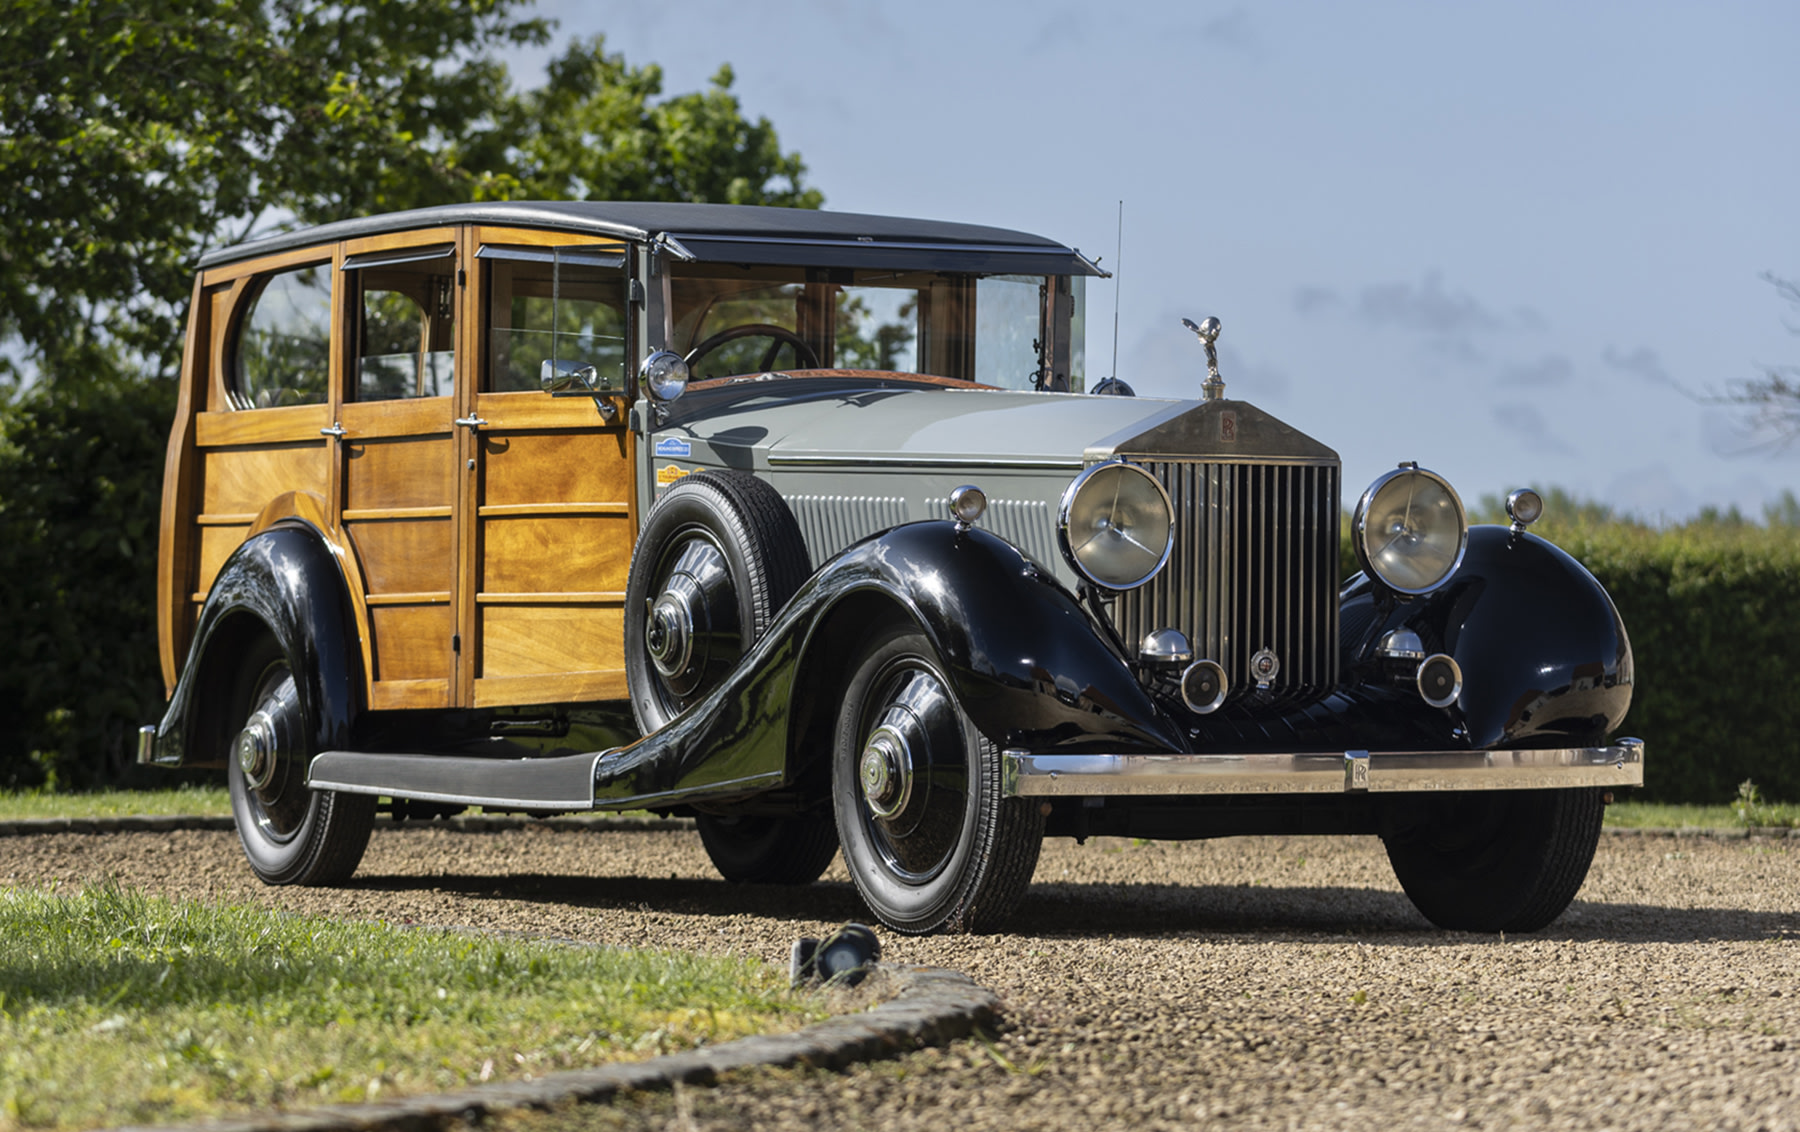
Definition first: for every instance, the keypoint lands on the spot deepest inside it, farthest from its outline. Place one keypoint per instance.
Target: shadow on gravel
(685, 896)
(1147, 911)
(1156, 911)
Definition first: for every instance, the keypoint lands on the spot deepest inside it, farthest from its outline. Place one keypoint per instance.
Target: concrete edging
(935, 1006)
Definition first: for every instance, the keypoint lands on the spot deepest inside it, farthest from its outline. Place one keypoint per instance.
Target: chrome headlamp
(664, 375)
(1116, 525)
(1410, 530)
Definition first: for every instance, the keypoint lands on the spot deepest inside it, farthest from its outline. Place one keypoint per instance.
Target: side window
(406, 323)
(566, 307)
(282, 353)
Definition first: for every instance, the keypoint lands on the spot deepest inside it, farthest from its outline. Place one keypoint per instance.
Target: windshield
(987, 329)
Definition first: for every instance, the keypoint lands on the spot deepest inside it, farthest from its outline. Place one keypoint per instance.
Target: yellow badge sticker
(669, 473)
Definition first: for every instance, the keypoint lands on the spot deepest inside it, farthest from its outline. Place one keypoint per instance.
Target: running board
(565, 782)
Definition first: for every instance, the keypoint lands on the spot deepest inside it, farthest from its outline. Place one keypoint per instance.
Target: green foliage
(597, 131)
(119, 1008)
(80, 505)
(135, 135)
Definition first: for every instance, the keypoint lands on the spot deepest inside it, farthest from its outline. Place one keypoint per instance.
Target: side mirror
(565, 377)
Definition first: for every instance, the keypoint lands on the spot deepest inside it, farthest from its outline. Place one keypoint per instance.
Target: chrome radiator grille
(1254, 567)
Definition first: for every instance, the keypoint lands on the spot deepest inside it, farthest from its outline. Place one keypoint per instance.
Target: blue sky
(1506, 241)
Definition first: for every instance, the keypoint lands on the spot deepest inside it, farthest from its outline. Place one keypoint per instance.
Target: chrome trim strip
(924, 463)
(1024, 774)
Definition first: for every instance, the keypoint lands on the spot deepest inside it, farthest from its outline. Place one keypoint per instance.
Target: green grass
(1748, 810)
(187, 800)
(117, 1007)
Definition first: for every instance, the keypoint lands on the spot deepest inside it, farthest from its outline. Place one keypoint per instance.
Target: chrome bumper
(1330, 772)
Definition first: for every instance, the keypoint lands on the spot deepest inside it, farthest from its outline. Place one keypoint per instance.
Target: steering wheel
(803, 354)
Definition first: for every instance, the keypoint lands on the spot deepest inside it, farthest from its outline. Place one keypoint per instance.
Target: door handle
(470, 422)
(336, 431)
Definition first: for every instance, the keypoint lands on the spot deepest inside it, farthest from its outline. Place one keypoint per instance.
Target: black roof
(730, 232)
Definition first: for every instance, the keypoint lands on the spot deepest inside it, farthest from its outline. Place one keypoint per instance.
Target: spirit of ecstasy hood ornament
(1208, 333)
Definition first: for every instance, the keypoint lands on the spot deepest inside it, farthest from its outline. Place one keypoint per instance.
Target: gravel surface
(1254, 982)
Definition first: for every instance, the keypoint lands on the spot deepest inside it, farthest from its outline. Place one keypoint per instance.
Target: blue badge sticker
(674, 446)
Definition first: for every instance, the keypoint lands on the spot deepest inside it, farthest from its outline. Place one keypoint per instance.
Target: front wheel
(291, 834)
(929, 840)
(1502, 862)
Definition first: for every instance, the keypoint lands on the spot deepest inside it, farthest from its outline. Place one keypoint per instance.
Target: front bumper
(1330, 772)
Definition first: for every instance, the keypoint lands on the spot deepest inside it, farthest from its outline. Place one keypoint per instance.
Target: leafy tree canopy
(137, 134)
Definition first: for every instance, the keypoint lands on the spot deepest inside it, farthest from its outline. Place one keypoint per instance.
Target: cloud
(1528, 427)
(1316, 300)
(1641, 362)
(1066, 26)
(1230, 30)
(1427, 308)
(1548, 371)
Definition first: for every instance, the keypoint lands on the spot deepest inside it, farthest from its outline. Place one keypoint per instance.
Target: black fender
(1024, 659)
(1544, 655)
(285, 582)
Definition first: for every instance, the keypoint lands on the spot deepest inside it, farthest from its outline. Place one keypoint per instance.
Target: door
(394, 419)
(548, 510)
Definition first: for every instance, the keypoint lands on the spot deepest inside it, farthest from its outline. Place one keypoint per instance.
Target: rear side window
(283, 350)
(406, 329)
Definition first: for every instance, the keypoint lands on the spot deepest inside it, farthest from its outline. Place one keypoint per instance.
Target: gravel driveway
(1266, 982)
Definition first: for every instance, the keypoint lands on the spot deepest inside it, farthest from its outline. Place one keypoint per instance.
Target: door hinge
(637, 292)
(456, 642)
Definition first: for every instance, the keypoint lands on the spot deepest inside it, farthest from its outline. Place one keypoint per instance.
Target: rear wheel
(290, 834)
(769, 849)
(718, 559)
(1509, 861)
(929, 839)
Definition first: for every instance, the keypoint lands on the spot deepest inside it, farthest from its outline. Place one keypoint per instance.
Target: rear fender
(284, 582)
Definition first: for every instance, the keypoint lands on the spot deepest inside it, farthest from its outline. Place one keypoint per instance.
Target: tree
(595, 131)
(135, 135)
(1774, 398)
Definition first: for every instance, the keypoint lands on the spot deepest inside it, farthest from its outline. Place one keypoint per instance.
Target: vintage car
(802, 524)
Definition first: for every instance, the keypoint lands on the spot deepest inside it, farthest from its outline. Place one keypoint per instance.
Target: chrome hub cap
(669, 634)
(885, 772)
(256, 747)
(691, 629)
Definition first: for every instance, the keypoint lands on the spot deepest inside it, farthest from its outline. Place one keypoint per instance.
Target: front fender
(284, 582)
(1544, 655)
(1023, 658)
(1027, 663)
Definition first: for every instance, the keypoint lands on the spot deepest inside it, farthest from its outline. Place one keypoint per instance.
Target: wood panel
(526, 640)
(406, 472)
(413, 641)
(564, 687)
(290, 423)
(240, 480)
(553, 553)
(216, 545)
(524, 410)
(538, 238)
(583, 465)
(403, 555)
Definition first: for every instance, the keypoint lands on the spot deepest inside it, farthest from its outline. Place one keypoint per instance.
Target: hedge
(1713, 610)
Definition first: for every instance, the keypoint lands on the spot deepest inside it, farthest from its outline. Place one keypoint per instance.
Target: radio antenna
(1118, 281)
